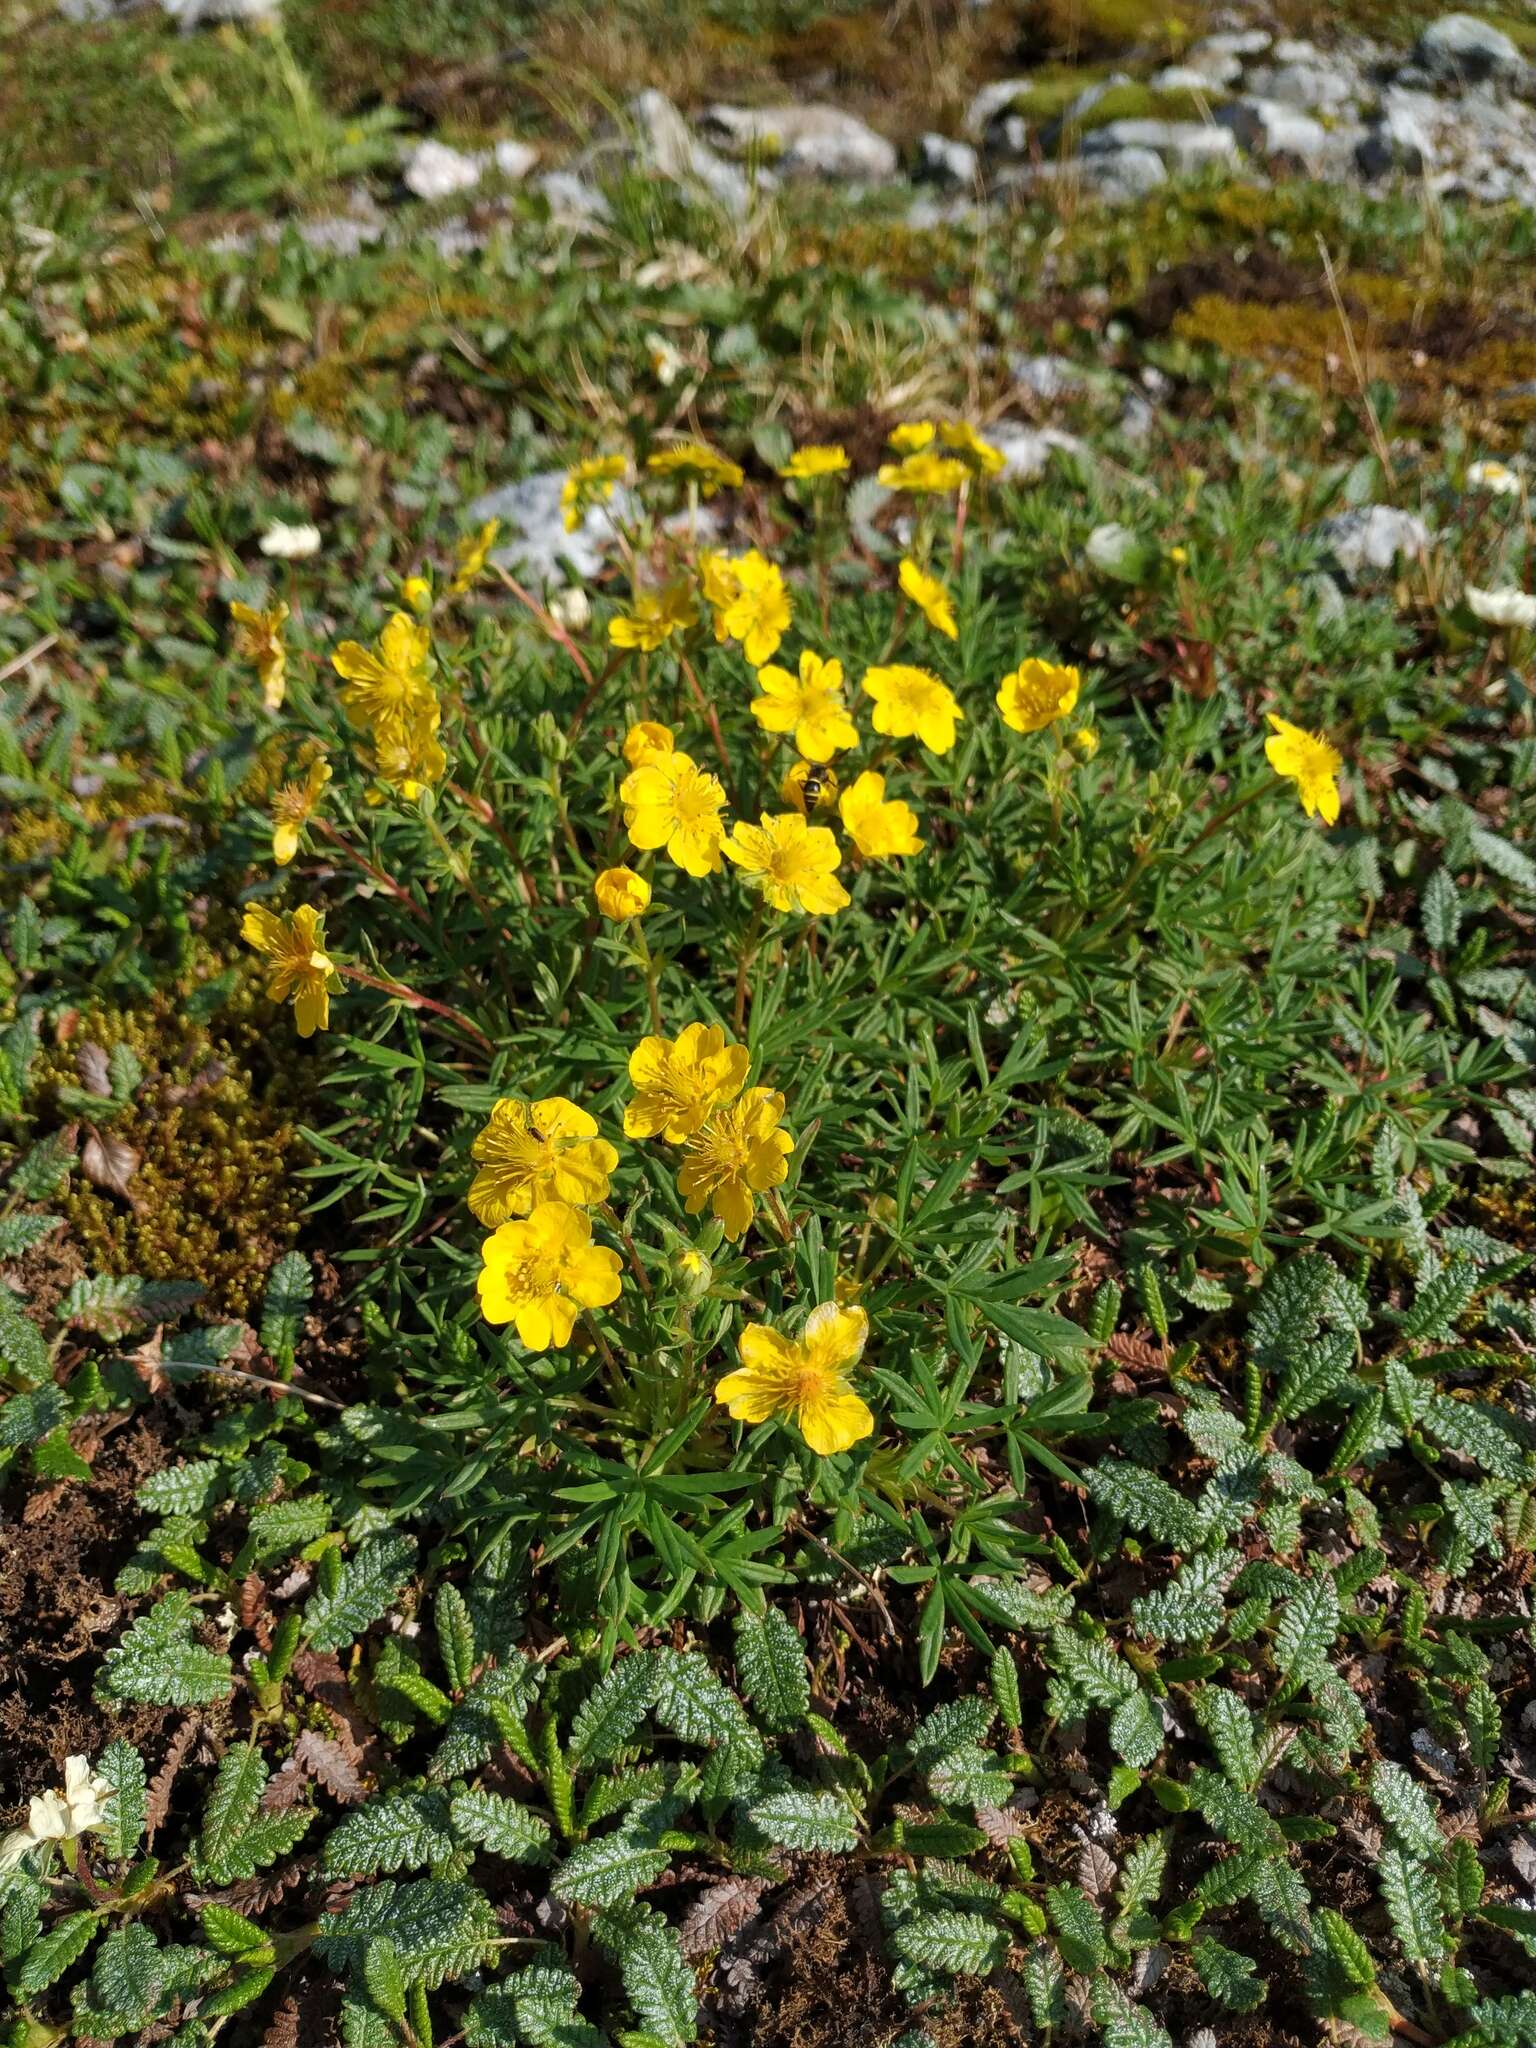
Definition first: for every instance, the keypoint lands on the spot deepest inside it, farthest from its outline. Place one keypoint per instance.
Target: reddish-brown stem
(708, 710)
(548, 621)
(409, 996)
(487, 816)
(387, 882)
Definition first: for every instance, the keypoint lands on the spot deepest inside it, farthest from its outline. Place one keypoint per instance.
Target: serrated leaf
(158, 1663)
(501, 1825)
(1415, 1905)
(691, 1701)
(369, 1580)
(1407, 1809)
(1079, 1928)
(1136, 1730)
(614, 1708)
(1229, 1725)
(123, 1769)
(1440, 910)
(182, 1489)
(771, 1665)
(396, 1831)
(52, 1954)
(609, 1869)
(1308, 1624)
(657, 1976)
(1144, 1502)
(1231, 1978)
(800, 1819)
(440, 1929)
(285, 1304)
(950, 1944)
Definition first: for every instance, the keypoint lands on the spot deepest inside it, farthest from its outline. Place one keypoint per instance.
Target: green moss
(1137, 102)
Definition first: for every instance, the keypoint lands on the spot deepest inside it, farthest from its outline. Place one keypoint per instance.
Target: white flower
(1497, 477)
(290, 543)
(667, 363)
(59, 1816)
(1115, 551)
(571, 608)
(1501, 607)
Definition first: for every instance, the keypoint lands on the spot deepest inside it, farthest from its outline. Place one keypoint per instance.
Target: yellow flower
(910, 701)
(1084, 743)
(923, 472)
(758, 613)
(1312, 762)
(677, 1082)
(718, 581)
(669, 801)
(536, 1274)
(536, 1152)
(805, 1378)
(700, 465)
(816, 459)
(979, 456)
(385, 689)
(739, 1150)
(621, 893)
(1037, 694)
(301, 970)
(409, 755)
(589, 483)
(810, 706)
(470, 556)
(792, 863)
(654, 616)
(417, 592)
(259, 638)
(292, 809)
(809, 788)
(911, 437)
(878, 827)
(646, 739)
(930, 597)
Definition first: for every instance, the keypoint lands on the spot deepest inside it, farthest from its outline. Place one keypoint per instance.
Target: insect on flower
(532, 1152)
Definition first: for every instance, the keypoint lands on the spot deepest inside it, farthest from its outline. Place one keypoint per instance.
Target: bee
(809, 786)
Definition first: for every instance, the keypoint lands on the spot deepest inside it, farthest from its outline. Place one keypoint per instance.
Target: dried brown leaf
(91, 1065)
(284, 1787)
(719, 1911)
(145, 1361)
(283, 2027)
(110, 1162)
(158, 1804)
(253, 1598)
(1129, 1350)
(329, 1763)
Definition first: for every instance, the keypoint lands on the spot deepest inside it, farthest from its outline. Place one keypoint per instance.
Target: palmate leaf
(440, 1929)
(771, 1665)
(657, 1977)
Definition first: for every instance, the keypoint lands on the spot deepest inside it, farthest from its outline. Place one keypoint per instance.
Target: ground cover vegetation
(779, 1294)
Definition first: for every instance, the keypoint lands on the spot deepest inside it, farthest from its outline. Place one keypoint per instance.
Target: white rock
(1461, 46)
(1371, 537)
(1232, 42)
(571, 200)
(942, 160)
(1127, 173)
(1270, 128)
(1398, 140)
(812, 141)
(1027, 451)
(535, 542)
(992, 100)
(434, 170)
(514, 159)
(1048, 378)
(1182, 144)
(190, 14)
(668, 146)
(1212, 67)
(1308, 85)
(1181, 78)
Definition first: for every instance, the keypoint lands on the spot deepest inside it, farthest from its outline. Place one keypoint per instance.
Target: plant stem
(743, 966)
(413, 1001)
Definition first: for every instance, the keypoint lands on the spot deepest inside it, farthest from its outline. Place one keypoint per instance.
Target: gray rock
(665, 143)
(811, 141)
(1459, 46)
(571, 200)
(992, 100)
(190, 14)
(1127, 173)
(1188, 78)
(1027, 451)
(85, 12)
(1296, 50)
(536, 544)
(434, 170)
(1213, 68)
(1180, 144)
(941, 160)
(1371, 538)
(1269, 128)
(1048, 378)
(1231, 42)
(340, 234)
(1308, 85)
(1397, 140)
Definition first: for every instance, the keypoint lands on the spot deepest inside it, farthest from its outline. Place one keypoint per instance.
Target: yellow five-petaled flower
(537, 1274)
(739, 1150)
(930, 597)
(792, 863)
(698, 464)
(909, 702)
(1312, 762)
(387, 690)
(677, 1082)
(817, 458)
(804, 1379)
(809, 705)
(259, 638)
(879, 827)
(589, 483)
(293, 807)
(532, 1152)
(653, 617)
(758, 613)
(1036, 694)
(669, 801)
(470, 556)
(301, 971)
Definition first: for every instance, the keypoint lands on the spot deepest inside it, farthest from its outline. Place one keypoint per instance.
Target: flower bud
(621, 893)
(1084, 743)
(549, 738)
(417, 592)
(692, 1273)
